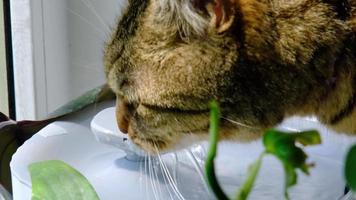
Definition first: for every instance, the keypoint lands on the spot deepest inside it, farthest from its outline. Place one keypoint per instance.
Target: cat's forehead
(186, 15)
(129, 20)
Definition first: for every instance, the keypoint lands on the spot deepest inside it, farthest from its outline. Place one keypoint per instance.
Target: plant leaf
(308, 137)
(251, 177)
(209, 164)
(283, 146)
(350, 168)
(55, 180)
(13, 134)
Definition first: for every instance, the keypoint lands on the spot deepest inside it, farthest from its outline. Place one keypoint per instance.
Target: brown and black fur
(262, 60)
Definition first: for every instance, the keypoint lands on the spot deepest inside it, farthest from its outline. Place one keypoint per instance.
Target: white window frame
(4, 95)
(32, 50)
(49, 39)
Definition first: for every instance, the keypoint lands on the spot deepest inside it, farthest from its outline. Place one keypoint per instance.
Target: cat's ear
(222, 13)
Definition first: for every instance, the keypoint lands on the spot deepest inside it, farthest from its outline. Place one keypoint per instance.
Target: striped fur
(277, 58)
(181, 14)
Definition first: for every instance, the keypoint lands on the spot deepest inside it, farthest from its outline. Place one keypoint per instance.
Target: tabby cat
(262, 60)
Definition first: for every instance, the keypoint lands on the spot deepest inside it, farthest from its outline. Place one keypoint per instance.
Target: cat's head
(169, 58)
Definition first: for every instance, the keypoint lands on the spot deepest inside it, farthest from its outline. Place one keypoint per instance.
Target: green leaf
(308, 137)
(13, 134)
(251, 177)
(55, 180)
(283, 146)
(209, 164)
(291, 178)
(350, 168)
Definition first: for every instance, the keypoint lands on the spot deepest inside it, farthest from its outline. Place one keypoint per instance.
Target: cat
(262, 60)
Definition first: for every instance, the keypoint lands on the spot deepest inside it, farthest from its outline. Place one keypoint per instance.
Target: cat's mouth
(155, 128)
(159, 145)
(151, 145)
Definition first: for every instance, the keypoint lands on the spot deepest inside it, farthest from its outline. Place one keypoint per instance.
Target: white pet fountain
(115, 169)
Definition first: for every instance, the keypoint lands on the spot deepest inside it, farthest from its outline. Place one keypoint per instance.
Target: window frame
(58, 47)
(35, 55)
(27, 16)
(6, 78)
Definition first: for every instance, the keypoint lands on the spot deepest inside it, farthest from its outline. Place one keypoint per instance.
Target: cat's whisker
(97, 30)
(163, 174)
(146, 173)
(89, 4)
(156, 177)
(85, 61)
(172, 184)
(239, 123)
(152, 180)
(198, 169)
(88, 63)
(175, 173)
(141, 176)
(89, 68)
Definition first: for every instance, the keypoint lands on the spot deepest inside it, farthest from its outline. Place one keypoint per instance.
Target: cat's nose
(123, 115)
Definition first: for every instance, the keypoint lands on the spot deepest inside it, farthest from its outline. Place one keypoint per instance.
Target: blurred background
(57, 49)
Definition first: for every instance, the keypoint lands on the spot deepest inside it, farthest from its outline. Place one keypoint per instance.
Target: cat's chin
(156, 146)
(184, 140)
(188, 140)
(165, 145)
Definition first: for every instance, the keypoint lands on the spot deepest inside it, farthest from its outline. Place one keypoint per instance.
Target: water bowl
(119, 170)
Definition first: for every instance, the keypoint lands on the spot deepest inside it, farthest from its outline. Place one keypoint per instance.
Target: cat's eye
(167, 109)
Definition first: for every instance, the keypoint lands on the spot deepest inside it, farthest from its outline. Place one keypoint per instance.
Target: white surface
(53, 130)
(107, 132)
(58, 47)
(114, 176)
